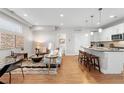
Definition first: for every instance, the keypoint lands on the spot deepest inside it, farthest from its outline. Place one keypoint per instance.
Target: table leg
(49, 66)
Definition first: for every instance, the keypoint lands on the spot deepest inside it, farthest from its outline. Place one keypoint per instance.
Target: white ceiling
(73, 17)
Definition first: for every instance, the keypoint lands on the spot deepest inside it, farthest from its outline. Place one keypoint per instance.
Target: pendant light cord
(100, 14)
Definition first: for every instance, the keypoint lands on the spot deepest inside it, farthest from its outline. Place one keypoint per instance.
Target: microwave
(117, 37)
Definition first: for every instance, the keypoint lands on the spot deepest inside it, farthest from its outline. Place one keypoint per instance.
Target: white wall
(27, 38)
(73, 39)
(45, 37)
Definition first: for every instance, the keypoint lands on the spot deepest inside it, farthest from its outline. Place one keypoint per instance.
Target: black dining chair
(15, 65)
(3, 71)
(10, 67)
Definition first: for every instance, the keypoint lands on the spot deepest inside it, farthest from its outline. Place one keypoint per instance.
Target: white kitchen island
(111, 61)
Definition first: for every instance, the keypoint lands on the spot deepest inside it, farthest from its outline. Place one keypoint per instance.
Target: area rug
(34, 68)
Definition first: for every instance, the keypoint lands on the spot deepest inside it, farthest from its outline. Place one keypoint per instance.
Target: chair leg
(22, 72)
(98, 65)
(94, 64)
(10, 77)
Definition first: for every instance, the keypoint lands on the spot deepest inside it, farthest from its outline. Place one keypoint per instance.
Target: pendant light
(91, 33)
(100, 14)
(100, 30)
(92, 19)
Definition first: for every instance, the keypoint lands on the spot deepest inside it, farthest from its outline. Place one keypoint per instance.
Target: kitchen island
(111, 61)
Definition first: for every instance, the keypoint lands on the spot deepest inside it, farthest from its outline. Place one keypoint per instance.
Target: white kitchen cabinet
(118, 29)
(94, 37)
(106, 34)
(101, 35)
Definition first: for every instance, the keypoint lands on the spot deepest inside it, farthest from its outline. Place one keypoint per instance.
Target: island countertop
(103, 49)
(111, 62)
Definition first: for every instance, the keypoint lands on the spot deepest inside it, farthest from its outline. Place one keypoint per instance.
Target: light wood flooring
(70, 72)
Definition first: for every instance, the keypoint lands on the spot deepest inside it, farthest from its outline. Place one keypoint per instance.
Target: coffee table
(36, 58)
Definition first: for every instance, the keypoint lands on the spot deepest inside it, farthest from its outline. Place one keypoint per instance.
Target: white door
(70, 43)
(81, 41)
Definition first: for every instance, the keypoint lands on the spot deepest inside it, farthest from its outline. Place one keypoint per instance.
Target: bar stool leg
(98, 64)
(94, 63)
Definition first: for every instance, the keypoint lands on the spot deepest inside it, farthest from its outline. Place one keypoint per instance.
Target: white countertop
(103, 49)
(111, 61)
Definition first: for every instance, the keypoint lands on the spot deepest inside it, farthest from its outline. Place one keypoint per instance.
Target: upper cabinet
(108, 32)
(105, 35)
(118, 29)
(95, 37)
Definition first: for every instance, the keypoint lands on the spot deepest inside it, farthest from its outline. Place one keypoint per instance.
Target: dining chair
(10, 67)
(3, 71)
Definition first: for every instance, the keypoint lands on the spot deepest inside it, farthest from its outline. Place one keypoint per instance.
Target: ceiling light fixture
(61, 15)
(98, 23)
(100, 14)
(25, 15)
(100, 30)
(92, 18)
(112, 16)
(61, 24)
(91, 33)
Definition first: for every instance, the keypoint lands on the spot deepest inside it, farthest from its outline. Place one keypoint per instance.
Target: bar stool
(96, 62)
(81, 57)
(85, 59)
(89, 62)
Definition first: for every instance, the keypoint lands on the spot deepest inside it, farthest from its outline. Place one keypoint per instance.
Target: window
(10, 25)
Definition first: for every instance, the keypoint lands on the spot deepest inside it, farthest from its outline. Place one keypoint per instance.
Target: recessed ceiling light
(61, 24)
(100, 30)
(25, 14)
(61, 15)
(86, 34)
(91, 33)
(98, 23)
(112, 16)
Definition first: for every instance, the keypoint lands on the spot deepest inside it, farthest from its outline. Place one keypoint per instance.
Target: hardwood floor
(70, 72)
